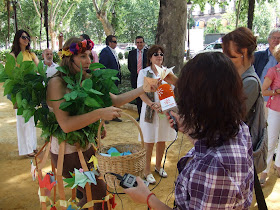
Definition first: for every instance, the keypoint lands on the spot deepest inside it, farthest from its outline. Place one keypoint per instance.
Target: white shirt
(114, 53)
(51, 70)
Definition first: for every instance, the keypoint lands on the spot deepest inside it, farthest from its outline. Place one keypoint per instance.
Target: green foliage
(126, 55)
(263, 21)
(135, 18)
(3, 55)
(125, 72)
(26, 83)
(120, 55)
(84, 20)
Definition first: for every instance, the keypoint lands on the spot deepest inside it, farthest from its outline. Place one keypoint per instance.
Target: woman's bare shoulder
(13, 54)
(56, 82)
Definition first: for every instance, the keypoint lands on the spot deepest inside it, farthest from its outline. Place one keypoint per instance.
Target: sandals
(161, 172)
(31, 155)
(150, 178)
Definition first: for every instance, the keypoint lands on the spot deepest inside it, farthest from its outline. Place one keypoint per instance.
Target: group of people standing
(215, 94)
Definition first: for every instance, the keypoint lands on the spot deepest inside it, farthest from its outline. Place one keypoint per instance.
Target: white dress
(159, 130)
(26, 133)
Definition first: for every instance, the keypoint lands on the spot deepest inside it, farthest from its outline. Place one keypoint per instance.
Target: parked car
(215, 46)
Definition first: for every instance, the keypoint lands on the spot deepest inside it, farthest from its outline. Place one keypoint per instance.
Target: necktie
(139, 61)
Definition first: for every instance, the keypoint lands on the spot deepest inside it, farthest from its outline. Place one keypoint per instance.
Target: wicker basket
(132, 164)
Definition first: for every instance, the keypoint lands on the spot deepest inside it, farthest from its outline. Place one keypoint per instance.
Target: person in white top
(48, 61)
(153, 122)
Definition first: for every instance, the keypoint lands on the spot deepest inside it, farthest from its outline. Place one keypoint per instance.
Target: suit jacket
(107, 58)
(132, 65)
(261, 59)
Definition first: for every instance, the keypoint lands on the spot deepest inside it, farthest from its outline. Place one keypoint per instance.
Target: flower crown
(76, 48)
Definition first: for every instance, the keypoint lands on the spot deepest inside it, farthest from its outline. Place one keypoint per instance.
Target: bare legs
(160, 147)
(149, 150)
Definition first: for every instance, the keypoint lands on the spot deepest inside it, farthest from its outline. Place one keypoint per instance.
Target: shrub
(3, 55)
(120, 55)
(126, 55)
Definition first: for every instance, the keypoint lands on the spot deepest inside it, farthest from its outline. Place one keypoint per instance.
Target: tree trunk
(237, 13)
(171, 31)
(52, 35)
(101, 14)
(8, 10)
(251, 9)
(108, 29)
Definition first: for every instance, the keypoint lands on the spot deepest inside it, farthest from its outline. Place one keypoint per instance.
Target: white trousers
(26, 133)
(273, 131)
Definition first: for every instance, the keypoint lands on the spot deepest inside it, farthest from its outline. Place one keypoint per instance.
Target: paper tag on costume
(164, 71)
(149, 83)
(167, 103)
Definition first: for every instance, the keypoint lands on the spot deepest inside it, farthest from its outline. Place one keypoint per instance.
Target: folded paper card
(164, 71)
(149, 83)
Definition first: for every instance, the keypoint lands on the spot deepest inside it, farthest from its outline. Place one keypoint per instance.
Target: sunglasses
(114, 41)
(157, 54)
(25, 37)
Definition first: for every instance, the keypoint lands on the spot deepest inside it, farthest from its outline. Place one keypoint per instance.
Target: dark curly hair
(210, 96)
(16, 46)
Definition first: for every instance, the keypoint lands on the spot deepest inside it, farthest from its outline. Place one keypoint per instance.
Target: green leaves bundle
(27, 85)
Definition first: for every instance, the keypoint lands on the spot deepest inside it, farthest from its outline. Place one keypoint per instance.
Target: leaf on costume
(96, 92)
(62, 69)
(68, 80)
(8, 85)
(10, 65)
(41, 69)
(92, 102)
(87, 84)
(94, 66)
(19, 58)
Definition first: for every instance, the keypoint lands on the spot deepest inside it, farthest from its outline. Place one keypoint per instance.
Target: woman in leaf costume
(79, 100)
(26, 132)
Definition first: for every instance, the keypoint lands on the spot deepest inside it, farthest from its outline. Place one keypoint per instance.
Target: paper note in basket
(166, 97)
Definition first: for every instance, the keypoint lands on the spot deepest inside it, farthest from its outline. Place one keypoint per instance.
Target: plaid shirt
(217, 178)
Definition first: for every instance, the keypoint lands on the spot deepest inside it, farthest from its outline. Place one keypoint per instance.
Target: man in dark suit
(137, 60)
(264, 59)
(109, 58)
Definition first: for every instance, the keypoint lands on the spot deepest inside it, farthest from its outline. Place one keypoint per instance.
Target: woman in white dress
(154, 125)
(26, 131)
